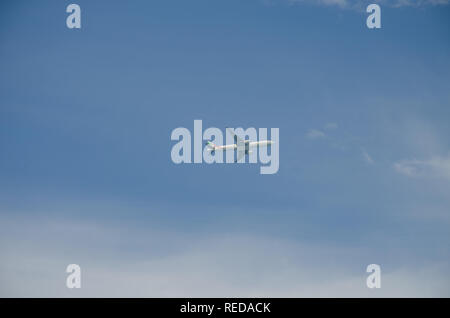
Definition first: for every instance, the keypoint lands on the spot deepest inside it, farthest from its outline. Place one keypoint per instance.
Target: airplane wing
(237, 140)
(240, 144)
(240, 154)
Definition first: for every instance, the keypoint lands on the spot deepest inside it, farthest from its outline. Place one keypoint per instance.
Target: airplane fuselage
(247, 144)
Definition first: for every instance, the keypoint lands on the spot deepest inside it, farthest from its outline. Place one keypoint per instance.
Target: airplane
(243, 147)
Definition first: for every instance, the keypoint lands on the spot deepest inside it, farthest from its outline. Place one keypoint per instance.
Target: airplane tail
(210, 145)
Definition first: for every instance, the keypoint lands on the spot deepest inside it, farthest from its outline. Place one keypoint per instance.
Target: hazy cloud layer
(359, 4)
(224, 265)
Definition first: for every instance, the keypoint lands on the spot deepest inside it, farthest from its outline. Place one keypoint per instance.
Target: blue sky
(85, 169)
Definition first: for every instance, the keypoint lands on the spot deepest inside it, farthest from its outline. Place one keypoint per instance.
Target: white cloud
(436, 166)
(315, 134)
(367, 157)
(330, 126)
